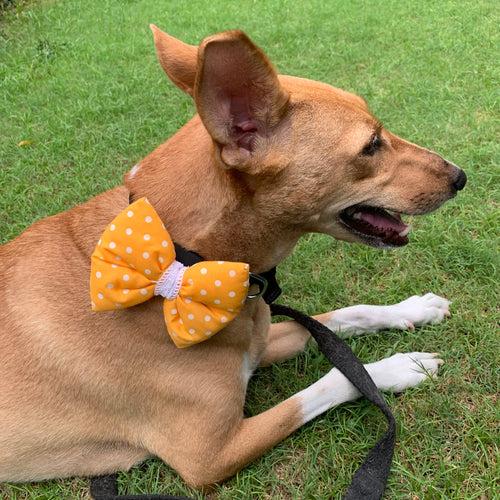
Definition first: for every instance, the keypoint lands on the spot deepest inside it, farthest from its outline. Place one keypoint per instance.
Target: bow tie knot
(169, 284)
(135, 260)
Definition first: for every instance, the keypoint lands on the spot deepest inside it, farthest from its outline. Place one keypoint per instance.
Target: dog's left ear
(237, 94)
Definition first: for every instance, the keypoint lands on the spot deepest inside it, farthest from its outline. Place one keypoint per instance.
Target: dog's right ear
(178, 59)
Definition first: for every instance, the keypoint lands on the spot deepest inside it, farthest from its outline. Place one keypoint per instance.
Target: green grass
(80, 81)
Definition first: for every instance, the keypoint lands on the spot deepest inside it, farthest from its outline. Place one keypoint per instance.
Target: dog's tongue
(383, 220)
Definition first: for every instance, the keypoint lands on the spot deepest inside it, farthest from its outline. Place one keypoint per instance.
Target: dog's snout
(460, 179)
(457, 176)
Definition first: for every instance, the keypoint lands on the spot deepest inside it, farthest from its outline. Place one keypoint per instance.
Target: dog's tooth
(405, 231)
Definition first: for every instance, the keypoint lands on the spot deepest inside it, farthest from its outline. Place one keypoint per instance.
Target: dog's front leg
(288, 338)
(284, 341)
(216, 460)
(415, 311)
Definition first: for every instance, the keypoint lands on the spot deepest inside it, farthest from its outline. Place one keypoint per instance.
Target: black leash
(370, 479)
(106, 488)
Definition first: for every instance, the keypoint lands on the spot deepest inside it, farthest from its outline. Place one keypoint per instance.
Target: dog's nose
(460, 180)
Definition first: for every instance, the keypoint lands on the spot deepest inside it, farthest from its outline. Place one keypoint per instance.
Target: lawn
(82, 99)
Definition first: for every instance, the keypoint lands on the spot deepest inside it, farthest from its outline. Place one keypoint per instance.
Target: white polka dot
(190, 281)
(164, 243)
(148, 219)
(109, 286)
(145, 255)
(130, 213)
(125, 291)
(217, 301)
(217, 282)
(191, 316)
(144, 291)
(223, 319)
(208, 333)
(188, 300)
(203, 270)
(173, 311)
(112, 227)
(98, 274)
(126, 277)
(208, 318)
(128, 231)
(246, 266)
(147, 237)
(203, 291)
(128, 250)
(161, 259)
(147, 271)
(232, 273)
(112, 244)
(246, 284)
(114, 266)
(232, 294)
(220, 262)
(100, 295)
(192, 331)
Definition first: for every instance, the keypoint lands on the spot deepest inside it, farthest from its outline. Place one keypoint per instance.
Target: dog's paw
(417, 311)
(401, 371)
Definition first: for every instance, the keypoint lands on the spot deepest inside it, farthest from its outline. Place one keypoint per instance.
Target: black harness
(370, 479)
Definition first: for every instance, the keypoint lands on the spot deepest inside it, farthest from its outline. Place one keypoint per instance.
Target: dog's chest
(248, 366)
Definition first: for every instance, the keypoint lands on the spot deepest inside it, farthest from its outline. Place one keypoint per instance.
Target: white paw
(418, 310)
(401, 371)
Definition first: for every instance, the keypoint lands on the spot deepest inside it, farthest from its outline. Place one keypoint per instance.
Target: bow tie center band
(135, 260)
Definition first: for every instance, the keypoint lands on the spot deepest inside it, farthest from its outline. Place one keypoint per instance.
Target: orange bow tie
(135, 260)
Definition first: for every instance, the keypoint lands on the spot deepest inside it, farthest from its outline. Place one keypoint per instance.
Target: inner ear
(244, 126)
(237, 92)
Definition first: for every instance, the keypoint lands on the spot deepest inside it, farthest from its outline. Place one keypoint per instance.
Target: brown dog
(267, 159)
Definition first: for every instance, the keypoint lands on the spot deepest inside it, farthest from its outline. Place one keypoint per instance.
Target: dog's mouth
(375, 226)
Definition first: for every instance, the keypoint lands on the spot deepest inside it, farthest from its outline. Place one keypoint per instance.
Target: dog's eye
(373, 146)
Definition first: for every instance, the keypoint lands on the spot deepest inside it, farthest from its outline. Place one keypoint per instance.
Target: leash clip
(261, 282)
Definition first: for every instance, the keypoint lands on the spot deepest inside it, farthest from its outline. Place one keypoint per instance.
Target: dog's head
(313, 156)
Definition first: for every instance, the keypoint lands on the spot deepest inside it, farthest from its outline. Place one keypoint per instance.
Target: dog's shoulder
(77, 228)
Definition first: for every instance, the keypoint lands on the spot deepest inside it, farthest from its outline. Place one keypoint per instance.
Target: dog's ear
(237, 94)
(178, 59)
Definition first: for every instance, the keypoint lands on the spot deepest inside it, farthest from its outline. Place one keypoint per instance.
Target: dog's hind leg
(90, 459)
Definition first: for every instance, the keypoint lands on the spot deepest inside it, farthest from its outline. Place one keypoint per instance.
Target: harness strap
(370, 479)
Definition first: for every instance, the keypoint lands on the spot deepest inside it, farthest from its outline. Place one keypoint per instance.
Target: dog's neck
(219, 213)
